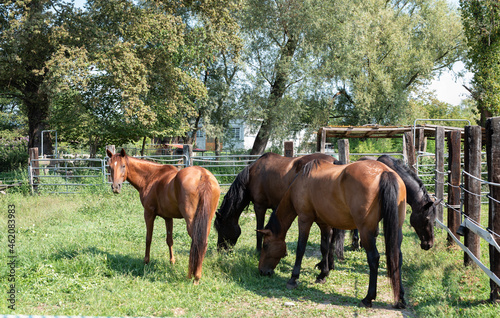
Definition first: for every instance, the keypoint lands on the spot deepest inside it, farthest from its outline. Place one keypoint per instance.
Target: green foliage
(13, 151)
(481, 25)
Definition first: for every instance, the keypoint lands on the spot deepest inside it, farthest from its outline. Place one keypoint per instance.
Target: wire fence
(428, 171)
(71, 176)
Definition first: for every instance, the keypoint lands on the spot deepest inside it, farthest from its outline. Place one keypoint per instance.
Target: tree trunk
(217, 147)
(143, 145)
(38, 110)
(277, 91)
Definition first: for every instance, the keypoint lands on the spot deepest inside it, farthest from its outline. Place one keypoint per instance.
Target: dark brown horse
(263, 182)
(191, 193)
(357, 195)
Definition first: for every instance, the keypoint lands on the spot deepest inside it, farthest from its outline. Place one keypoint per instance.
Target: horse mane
(310, 166)
(273, 224)
(236, 198)
(402, 168)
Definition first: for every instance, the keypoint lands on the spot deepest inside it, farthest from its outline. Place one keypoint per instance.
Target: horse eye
(123, 167)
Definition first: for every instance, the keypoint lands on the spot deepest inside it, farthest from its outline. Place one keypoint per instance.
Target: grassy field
(82, 255)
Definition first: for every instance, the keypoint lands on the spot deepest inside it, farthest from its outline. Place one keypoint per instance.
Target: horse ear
(265, 232)
(109, 153)
(123, 153)
(428, 205)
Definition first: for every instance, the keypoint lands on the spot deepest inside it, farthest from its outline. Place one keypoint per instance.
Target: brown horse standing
(191, 193)
(347, 197)
(264, 183)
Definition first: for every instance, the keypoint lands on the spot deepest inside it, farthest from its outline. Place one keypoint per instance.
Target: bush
(13, 151)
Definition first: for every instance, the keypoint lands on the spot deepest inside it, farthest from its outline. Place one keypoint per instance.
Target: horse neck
(140, 171)
(415, 195)
(285, 215)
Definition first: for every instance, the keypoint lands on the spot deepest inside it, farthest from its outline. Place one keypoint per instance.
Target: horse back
(345, 197)
(179, 191)
(269, 177)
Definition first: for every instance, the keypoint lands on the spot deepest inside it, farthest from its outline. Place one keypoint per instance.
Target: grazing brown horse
(264, 183)
(422, 205)
(191, 193)
(357, 195)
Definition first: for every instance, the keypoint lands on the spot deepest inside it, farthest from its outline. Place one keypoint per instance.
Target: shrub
(13, 151)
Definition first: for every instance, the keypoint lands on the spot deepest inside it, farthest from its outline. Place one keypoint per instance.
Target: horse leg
(324, 265)
(149, 217)
(260, 215)
(169, 224)
(304, 229)
(355, 240)
(368, 242)
(339, 238)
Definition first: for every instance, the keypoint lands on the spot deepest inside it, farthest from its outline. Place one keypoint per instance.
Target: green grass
(82, 255)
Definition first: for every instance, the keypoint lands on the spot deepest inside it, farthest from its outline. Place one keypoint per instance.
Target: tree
(31, 32)
(481, 20)
(360, 59)
(145, 59)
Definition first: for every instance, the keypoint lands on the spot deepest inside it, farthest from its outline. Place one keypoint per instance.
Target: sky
(448, 87)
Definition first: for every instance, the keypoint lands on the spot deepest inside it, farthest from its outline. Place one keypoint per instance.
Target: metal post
(187, 152)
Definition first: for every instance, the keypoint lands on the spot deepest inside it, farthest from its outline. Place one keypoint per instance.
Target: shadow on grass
(124, 265)
(243, 269)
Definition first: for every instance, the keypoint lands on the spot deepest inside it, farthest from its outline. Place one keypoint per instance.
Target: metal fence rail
(70, 176)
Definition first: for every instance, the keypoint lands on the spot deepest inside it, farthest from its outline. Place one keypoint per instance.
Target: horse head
(118, 169)
(273, 250)
(423, 223)
(229, 231)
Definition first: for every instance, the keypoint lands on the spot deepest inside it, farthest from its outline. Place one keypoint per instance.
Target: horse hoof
(196, 282)
(292, 285)
(400, 304)
(320, 280)
(366, 303)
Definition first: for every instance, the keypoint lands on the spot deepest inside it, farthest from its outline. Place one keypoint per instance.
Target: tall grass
(83, 255)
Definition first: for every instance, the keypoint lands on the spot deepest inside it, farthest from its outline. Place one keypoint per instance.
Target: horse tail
(237, 197)
(388, 196)
(201, 227)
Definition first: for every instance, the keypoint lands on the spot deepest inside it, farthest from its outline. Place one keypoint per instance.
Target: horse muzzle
(426, 245)
(266, 272)
(116, 188)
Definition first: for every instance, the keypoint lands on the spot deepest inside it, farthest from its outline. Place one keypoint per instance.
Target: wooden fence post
(288, 148)
(344, 155)
(187, 152)
(454, 182)
(320, 146)
(34, 166)
(439, 182)
(472, 199)
(409, 151)
(493, 159)
(421, 140)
